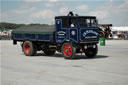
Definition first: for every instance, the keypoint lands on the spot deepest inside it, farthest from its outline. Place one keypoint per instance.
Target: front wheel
(68, 51)
(91, 52)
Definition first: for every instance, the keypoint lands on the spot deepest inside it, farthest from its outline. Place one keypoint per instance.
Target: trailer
(69, 35)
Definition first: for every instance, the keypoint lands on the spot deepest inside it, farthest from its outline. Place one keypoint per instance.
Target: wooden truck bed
(34, 33)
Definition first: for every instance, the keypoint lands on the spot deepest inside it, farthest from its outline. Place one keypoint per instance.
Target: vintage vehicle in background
(105, 30)
(71, 34)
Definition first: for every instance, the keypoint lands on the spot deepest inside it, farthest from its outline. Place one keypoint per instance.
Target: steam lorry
(81, 37)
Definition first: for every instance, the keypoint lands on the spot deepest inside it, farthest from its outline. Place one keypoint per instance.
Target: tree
(5, 25)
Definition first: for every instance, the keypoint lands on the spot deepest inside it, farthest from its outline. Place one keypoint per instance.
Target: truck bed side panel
(33, 37)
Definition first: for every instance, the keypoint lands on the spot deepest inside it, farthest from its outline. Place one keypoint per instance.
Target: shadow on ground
(77, 57)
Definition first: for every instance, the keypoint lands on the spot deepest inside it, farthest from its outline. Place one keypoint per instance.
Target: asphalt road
(110, 67)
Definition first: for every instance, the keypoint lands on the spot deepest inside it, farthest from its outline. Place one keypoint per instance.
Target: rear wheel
(68, 51)
(29, 48)
(91, 52)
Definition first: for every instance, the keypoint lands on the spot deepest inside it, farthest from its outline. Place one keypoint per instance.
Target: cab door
(73, 30)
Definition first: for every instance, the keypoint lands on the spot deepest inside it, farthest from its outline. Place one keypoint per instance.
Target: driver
(72, 23)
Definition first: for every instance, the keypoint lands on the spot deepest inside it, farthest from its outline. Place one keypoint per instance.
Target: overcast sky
(43, 11)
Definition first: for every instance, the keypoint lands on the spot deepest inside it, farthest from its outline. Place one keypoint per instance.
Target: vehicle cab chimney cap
(70, 13)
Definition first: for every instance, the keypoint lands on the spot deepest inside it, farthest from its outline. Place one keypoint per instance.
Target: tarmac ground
(109, 67)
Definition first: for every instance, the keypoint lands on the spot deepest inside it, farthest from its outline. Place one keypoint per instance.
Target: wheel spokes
(67, 50)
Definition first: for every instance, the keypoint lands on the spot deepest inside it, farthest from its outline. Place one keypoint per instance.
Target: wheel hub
(27, 48)
(67, 50)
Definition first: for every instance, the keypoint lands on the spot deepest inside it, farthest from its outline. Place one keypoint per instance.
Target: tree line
(6, 25)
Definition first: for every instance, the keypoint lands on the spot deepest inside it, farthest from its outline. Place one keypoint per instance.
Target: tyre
(49, 52)
(29, 48)
(91, 52)
(68, 51)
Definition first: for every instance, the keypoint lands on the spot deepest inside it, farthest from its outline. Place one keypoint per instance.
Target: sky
(44, 11)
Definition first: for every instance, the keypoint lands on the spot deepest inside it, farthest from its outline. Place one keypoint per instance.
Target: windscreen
(87, 22)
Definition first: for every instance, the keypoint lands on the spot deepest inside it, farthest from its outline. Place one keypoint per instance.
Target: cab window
(87, 22)
(65, 23)
(72, 23)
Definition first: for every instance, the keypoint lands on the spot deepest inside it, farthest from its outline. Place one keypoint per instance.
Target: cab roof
(72, 15)
(60, 17)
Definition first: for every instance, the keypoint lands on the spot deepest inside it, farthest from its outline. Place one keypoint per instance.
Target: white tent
(119, 28)
(116, 31)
